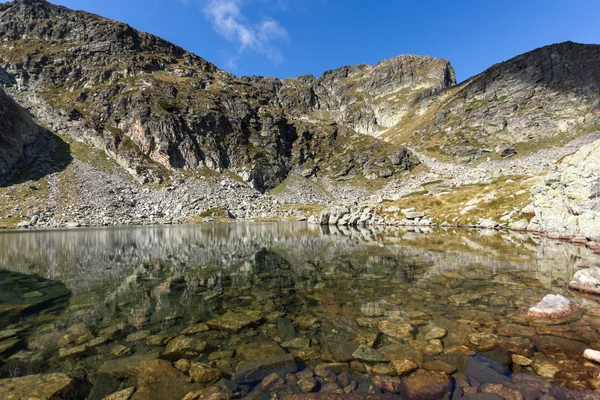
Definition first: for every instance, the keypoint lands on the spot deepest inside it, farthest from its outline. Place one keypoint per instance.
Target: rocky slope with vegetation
(153, 107)
(539, 99)
(141, 131)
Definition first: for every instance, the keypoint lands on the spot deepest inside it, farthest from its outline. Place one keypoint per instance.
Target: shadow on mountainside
(562, 66)
(47, 155)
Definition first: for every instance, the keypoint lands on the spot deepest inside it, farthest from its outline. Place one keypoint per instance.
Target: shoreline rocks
(552, 306)
(587, 281)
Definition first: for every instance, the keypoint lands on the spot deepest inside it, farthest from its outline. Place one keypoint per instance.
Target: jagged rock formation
(367, 99)
(17, 130)
(152, 106)
(567, 202)
(538, 99)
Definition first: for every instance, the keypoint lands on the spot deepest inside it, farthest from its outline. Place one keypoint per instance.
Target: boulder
(51, 386)
(336, 214)
(552, 306)
(587, 280)
(487, 224)
(159, 380)
(235, 321)
(413, 214)
(425, 385)
(505, 150)
(519, 225)
(184, 347)
(252, 371)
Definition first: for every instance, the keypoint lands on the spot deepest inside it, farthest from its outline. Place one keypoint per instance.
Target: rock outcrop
(367, 99)
(567, 202)
(154, 107)
(543, 97)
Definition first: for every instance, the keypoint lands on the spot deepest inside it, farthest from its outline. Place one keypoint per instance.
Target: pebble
(592, 355)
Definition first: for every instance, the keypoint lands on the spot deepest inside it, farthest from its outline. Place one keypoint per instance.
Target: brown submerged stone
(38, 387)
(426, 386)
(203, 373)
(259, 350)
(125, 367)
(184, 347)
(346, 396)
(159, 380)
(235, 321)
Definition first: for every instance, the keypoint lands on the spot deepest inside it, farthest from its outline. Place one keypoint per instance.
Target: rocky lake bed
(296, 311)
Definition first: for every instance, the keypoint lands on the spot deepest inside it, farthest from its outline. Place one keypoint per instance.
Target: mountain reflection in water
(331, 286)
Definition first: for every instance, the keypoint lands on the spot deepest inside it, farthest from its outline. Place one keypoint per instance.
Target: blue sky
(285, 38)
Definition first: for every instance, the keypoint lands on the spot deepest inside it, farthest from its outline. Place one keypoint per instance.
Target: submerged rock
(252, 371)
(425, 385)
(396, 330)
(235, 321)
(124, 394)
(159, 380)
(552, 306)
(259, 350)
(365, 353)
(125, 367)
(51, 386)
(184, 347)
(203, 373)
(587, 280)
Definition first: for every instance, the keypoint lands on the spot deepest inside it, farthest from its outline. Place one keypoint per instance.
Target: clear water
(313, 292)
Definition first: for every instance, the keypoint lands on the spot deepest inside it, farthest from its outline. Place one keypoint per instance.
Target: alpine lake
(290, 310)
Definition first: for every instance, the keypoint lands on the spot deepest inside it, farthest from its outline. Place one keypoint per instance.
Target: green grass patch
(167, 105)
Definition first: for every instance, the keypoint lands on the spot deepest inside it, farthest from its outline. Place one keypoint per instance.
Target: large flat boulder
(235, 321)
(40, 387)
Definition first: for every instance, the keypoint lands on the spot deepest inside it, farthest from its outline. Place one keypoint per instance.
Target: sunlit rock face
(368, 99)
(567, 202)
(537, 98)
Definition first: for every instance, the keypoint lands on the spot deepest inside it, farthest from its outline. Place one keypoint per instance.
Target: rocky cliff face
(17, 131)
(567, 202)
(154, 107)
(538, 99)
(368, 99)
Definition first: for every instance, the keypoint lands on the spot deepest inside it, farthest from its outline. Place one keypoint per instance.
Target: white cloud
(228, 21)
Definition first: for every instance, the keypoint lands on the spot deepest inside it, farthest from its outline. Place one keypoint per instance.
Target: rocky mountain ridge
(367, 99)
(154, 107)
(539, 99)
(142, 131)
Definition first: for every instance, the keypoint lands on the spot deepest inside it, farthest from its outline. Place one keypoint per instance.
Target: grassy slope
(447, 206)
